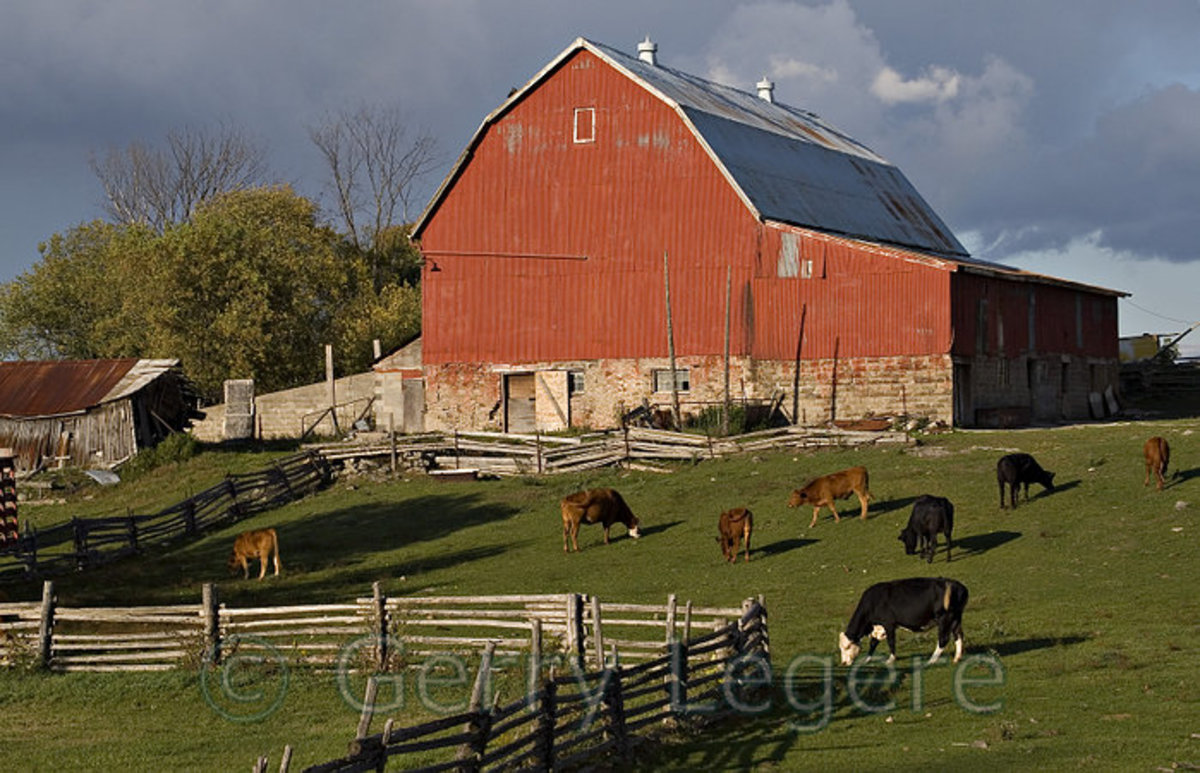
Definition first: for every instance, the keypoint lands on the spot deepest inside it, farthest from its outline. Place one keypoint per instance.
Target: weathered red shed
(544, 293)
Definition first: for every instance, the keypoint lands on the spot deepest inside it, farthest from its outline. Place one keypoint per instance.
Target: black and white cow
(915, 603)
(930, 516)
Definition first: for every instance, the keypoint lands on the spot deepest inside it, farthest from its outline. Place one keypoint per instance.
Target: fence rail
(82, 543)
(512, 454)
(373, 631)
(572, 720)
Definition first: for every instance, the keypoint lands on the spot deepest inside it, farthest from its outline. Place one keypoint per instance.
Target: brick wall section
(279, 414)
(468, 396)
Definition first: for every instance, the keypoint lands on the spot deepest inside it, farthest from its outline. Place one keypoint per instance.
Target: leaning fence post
(131, 526)
(79, 529)
(480, 724)
(381, 625)
(286, 761)
(46, 628)
(189, 516)
(212, 623)
(535, 655)
(231, 491)
(679, 676)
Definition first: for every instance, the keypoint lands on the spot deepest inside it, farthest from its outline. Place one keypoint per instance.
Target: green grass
(1087, 596)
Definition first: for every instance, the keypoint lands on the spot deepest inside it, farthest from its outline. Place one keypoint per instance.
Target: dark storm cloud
(1025, 126)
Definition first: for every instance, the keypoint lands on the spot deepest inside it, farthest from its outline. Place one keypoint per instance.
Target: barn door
(553, 402)
(520, 410)
(964, 409)
(412, 391)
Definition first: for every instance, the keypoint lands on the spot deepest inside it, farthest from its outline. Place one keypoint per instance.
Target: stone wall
(469, 396)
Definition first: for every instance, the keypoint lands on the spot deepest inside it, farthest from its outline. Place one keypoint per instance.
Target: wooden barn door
(520, 411)
(553, 401)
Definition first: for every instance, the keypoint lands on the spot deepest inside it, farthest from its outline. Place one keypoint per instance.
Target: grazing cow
(598, 505)
(930, 515)
(915, 604)
(260, 544)
(838, 485)
(1157, 454)
(735, 526)
(1015, 469)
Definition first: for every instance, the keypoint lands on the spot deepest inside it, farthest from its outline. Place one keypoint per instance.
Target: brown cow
(735, 526)
(1158, 454)
(598, 505)
(838, 485)
(260, 544)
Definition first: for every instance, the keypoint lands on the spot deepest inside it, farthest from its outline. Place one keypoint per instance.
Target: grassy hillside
(1085, 596)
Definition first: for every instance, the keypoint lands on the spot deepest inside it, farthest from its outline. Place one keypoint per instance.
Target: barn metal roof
(52, 388)
(786, 163)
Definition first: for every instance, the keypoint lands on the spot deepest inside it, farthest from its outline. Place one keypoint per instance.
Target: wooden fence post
(363, 748)
(231, 491)
(46, 628)
(131, 527)
(480, 724)
(211, 610)
(189, 516)
(287, 484)
(576, 638)
(547, 708)
(597, 632)
(679, 676)
(381, 625)
(537, 439)
(614, 704)
(670, 619)
(535, 656)
(392, 439)
(80, 534)
(286, 761)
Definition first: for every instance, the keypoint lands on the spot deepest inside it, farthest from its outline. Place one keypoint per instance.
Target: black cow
(930, 515)
(1015, 469)
(915, 604)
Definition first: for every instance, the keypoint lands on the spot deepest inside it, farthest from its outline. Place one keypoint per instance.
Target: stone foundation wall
(280, 414)
(469, 396)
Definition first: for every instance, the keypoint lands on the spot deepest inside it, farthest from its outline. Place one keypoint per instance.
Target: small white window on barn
(585, 124)
(662, 380)
(806, 269)
(575, 382)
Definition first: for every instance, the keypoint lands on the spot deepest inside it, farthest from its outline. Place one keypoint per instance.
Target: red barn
(545, 303)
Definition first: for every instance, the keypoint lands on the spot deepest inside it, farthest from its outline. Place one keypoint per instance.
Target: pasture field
(1081, 626)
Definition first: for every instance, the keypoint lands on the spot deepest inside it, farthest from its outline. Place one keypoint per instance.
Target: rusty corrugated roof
(51, 388)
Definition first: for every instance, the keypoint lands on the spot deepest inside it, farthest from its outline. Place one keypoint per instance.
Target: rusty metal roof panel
(31, 389)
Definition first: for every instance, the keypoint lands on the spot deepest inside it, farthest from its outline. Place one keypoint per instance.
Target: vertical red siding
(644, 187)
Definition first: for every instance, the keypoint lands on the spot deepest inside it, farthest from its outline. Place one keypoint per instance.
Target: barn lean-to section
(547, 251)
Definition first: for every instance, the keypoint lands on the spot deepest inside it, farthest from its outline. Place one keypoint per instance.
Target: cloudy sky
(1060, 137)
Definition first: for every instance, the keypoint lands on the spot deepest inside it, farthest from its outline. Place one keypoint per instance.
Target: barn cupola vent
(648, 51)
(766, 89)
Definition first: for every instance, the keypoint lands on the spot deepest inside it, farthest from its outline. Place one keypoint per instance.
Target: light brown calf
(735, 526)
(838, 485)
(1157, 454)
(249, 545)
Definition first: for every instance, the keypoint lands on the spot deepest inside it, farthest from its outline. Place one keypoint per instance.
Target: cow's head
(849, 649)
(798, 497)
(633, 527)
(909, 538)
(1048, 480)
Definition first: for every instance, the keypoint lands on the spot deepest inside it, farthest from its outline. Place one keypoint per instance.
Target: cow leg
(262, 564)
(277, 562)
(747, 548)
(891, 640)
(947, 547)
(1001, 494)
(871, 648)
(833, 509)
(1148, 466)
(606, 534)
(245, 568)
(816, 510)
(862, 500)
(930, 549)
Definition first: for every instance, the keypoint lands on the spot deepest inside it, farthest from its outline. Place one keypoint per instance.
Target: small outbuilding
(90, 413)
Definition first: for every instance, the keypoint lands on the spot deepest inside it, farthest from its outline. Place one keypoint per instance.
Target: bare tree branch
(374, 164)
(144, 185)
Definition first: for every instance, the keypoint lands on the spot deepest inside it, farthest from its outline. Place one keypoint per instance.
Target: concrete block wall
(281, 414)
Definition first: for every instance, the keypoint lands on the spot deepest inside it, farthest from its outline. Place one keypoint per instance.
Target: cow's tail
(954, 595)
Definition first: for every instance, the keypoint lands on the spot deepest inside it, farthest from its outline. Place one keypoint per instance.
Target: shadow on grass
(1181, 476)
(981, 543)
(656, 528)
(1021, 646)
(782, 546)
(891, 505)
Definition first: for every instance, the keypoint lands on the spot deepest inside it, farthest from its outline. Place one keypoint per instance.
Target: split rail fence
(374, 632)
(82, 543)
(514, 454)
(570, 720)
